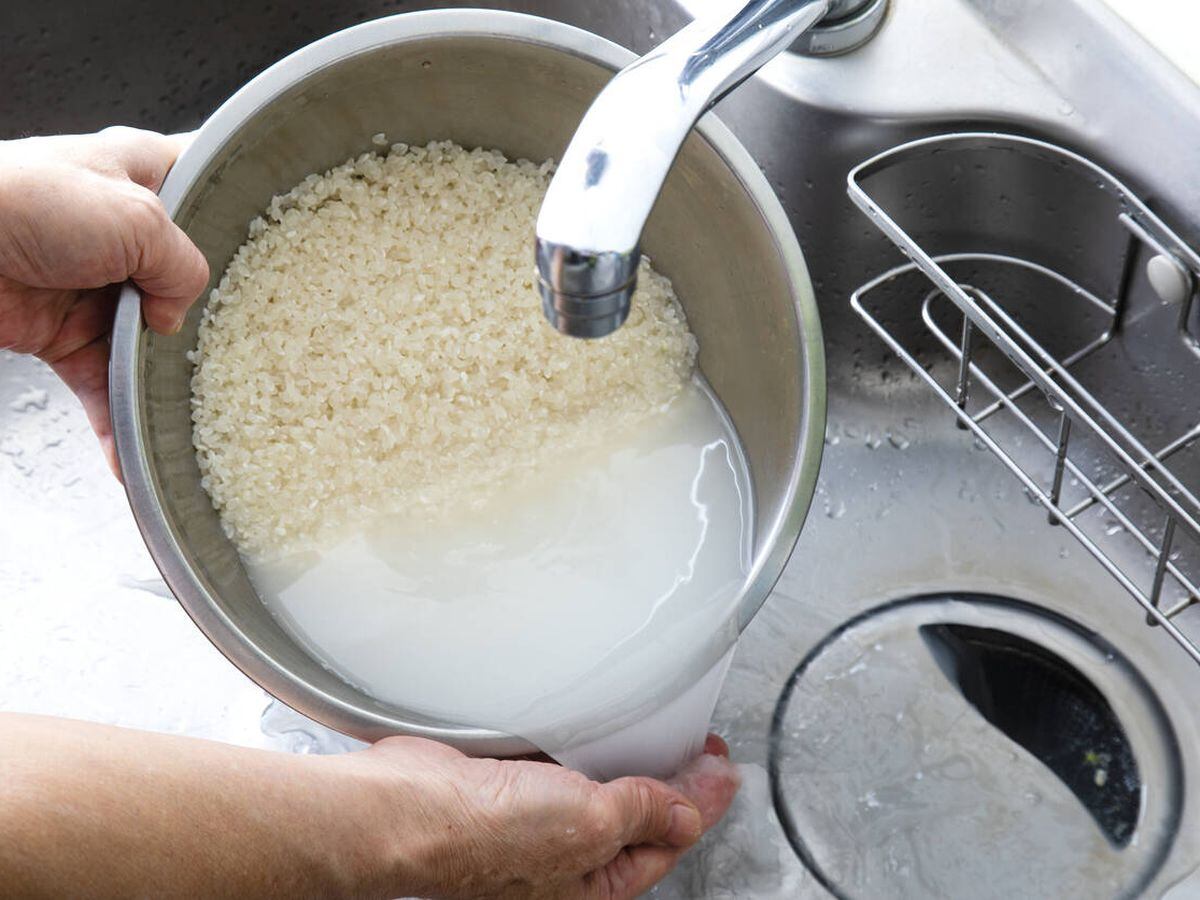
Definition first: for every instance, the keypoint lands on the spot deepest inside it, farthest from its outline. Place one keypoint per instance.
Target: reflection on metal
(847, 27)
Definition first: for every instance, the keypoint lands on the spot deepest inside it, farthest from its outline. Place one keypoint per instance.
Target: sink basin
(934, 642)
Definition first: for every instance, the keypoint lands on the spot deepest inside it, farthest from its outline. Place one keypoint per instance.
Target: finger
(85, 372)
(108, 447)
(38, 314)
(87, 318)
(714, 745)
(183, 139)
(167, 266)
(145, 156)
(651, 812)
(538, 757)
(633, 872)
(710, 782)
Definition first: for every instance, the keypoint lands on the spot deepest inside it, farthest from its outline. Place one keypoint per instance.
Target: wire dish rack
(1025, 342)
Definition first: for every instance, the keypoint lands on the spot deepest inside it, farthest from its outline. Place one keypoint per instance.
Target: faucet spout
(590, 226)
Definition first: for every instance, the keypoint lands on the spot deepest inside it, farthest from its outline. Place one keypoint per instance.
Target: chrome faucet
(590, 226)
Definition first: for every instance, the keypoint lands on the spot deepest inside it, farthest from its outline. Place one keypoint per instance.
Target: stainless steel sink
(913, 507)
(907, 693)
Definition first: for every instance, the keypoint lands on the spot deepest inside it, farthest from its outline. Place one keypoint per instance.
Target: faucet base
(842, 32)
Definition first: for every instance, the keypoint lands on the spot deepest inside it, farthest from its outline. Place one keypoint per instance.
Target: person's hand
(79, 216)
(509, 828)
(155, 815)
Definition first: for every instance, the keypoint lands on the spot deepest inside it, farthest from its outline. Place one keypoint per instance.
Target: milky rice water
(455, 508)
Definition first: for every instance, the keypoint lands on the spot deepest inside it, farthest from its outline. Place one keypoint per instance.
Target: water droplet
(155, 586)
(835, 510)
(32, 399)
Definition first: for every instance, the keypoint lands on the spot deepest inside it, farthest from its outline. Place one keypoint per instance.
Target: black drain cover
(973, 746)
(1047, 706)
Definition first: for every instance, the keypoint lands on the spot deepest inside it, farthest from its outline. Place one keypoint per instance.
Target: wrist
(381, 842)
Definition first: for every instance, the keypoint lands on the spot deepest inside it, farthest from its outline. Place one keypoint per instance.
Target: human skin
(91, 810)
(94, 811)
(78, 217)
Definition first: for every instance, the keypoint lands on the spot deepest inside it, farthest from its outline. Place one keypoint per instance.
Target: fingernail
(685, 825)
(714, 745)
(178, 326)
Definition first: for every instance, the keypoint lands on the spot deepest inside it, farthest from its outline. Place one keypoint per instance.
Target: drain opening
(976, 746)
(1048, 707)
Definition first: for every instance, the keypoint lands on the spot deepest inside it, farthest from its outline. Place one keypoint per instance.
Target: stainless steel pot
(519, 84)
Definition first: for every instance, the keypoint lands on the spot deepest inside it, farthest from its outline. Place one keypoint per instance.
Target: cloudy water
(564, 612)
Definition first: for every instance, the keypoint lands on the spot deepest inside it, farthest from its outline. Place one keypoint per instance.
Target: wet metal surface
(87, 628)
(905, 506)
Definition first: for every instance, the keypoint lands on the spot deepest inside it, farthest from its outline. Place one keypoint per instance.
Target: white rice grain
(377, 346)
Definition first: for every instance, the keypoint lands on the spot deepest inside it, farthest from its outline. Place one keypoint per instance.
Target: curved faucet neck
(590, 225)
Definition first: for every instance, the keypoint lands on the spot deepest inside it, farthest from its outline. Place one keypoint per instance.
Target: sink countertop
(88, 629)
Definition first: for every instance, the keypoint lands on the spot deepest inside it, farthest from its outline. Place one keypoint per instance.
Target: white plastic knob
(1169, 279)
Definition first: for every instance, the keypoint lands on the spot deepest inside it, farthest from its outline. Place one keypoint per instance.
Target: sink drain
(973, 746)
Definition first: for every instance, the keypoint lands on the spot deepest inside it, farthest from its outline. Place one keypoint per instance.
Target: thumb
(710, 781)
(170, 270)
(651, 812)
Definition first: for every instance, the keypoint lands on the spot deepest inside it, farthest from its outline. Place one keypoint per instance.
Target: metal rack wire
(1047, 400)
